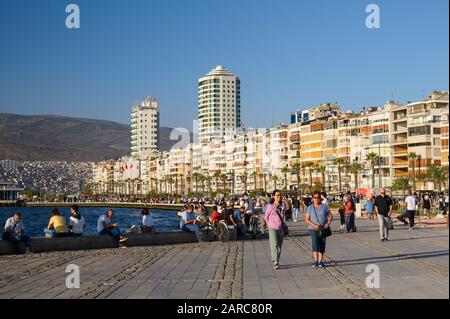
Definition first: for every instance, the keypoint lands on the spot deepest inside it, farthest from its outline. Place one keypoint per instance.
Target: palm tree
(401, 182)
(310, 165)
(339, 162)
(322, 170)
(216, 178)
(233, 178)
(413, 156)
(254, 175)
(208, 179)
(373, 159)
(296, 168)
(223, 179)
(196, 177)
(285, 170)
(275, 179)
(438, 174)
(265, 182)
(170, 180)
(422, 178)
(244, 177)
(355, 168)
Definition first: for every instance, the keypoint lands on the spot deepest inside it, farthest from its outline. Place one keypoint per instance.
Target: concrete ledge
(87, 242)
(165, 238)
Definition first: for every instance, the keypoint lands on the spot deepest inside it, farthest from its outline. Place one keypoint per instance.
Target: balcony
(400, 150)
(399, 162)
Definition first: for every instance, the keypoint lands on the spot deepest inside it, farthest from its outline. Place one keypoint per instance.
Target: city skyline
(285, 63)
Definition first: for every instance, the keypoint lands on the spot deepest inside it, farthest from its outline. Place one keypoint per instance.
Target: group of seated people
(194, 217)
(14, 230)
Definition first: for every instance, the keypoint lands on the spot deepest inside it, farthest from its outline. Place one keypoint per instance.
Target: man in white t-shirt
(105, 227)
(411, 203)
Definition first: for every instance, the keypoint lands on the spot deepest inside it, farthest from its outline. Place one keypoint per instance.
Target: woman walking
(275, 218)
(349, 211)
(317, 215)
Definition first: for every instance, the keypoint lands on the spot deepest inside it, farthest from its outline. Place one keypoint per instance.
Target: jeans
(350, 222)
(192, 228)
(410, 215)
(342, 217)
(295, 212)
(318, 243)
(26, 239)
(276, 241)
(115, 232)
(383, 224)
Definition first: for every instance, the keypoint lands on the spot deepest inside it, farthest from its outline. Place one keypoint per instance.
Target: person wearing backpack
(275, 219)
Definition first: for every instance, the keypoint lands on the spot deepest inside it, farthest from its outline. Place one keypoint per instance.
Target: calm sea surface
(36, 218)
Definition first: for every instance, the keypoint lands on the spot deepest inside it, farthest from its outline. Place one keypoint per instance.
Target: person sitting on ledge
(105, 227)
(147, 221)
(189, 222)
(57, 225)
(76, 222)
(14, 231)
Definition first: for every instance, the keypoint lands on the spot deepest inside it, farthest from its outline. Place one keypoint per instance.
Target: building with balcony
(144, 128)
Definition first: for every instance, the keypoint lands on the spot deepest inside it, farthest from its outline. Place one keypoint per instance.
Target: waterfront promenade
(413, 264)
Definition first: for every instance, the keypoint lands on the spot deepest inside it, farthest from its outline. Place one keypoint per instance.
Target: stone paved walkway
(413, 264)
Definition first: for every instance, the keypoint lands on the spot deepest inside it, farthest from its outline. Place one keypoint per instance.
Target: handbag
(322, 232)
(285, 227)
(390, 224)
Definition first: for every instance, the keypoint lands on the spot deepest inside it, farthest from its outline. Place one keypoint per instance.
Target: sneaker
(382, 239)
(316, 264)
(411, 228)
(276, 265)
(321, 265)
(386, 239)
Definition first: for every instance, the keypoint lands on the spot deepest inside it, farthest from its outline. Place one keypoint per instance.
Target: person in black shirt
(383, 210)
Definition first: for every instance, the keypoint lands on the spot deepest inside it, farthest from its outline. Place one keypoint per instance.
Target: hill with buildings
(61, 138)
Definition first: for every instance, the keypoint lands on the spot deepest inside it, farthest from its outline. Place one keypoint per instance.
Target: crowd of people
(267, 214)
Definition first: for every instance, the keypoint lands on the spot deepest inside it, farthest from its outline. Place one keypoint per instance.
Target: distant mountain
(61, 138)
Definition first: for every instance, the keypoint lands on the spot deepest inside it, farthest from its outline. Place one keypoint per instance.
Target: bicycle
(218, 232)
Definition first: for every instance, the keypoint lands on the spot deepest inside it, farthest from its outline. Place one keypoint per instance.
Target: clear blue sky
(288, 54)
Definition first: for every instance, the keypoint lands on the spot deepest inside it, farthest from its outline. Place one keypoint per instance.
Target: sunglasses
(315, 197)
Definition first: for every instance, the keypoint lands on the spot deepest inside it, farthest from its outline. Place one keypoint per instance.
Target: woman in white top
(76, 222)
(147, 221)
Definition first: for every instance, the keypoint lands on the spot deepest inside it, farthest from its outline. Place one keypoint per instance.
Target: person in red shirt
(349, 211)
(215, 216)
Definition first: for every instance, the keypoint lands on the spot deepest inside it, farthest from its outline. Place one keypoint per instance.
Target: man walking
(383, 210)
(411, 203)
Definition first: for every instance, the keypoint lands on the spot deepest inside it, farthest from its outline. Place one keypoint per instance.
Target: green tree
(275, 179)
(355, 169)
(321, 169)
(402, 183)
(285, 170)
(412, 158)
(373, 159)
(254, 175)
(339, 162)
(310, 165)
(296, 169)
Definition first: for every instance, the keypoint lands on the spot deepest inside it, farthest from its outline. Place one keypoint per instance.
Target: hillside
(60, 138)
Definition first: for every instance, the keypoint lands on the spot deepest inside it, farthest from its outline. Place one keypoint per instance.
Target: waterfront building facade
(313, 153)
(144, 127)
(219, 106)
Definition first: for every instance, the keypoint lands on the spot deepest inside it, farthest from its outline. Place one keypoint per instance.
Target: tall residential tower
(219, 104)
(144, 128)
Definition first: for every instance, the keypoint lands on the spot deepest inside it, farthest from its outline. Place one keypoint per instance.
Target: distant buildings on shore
(317, 149)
